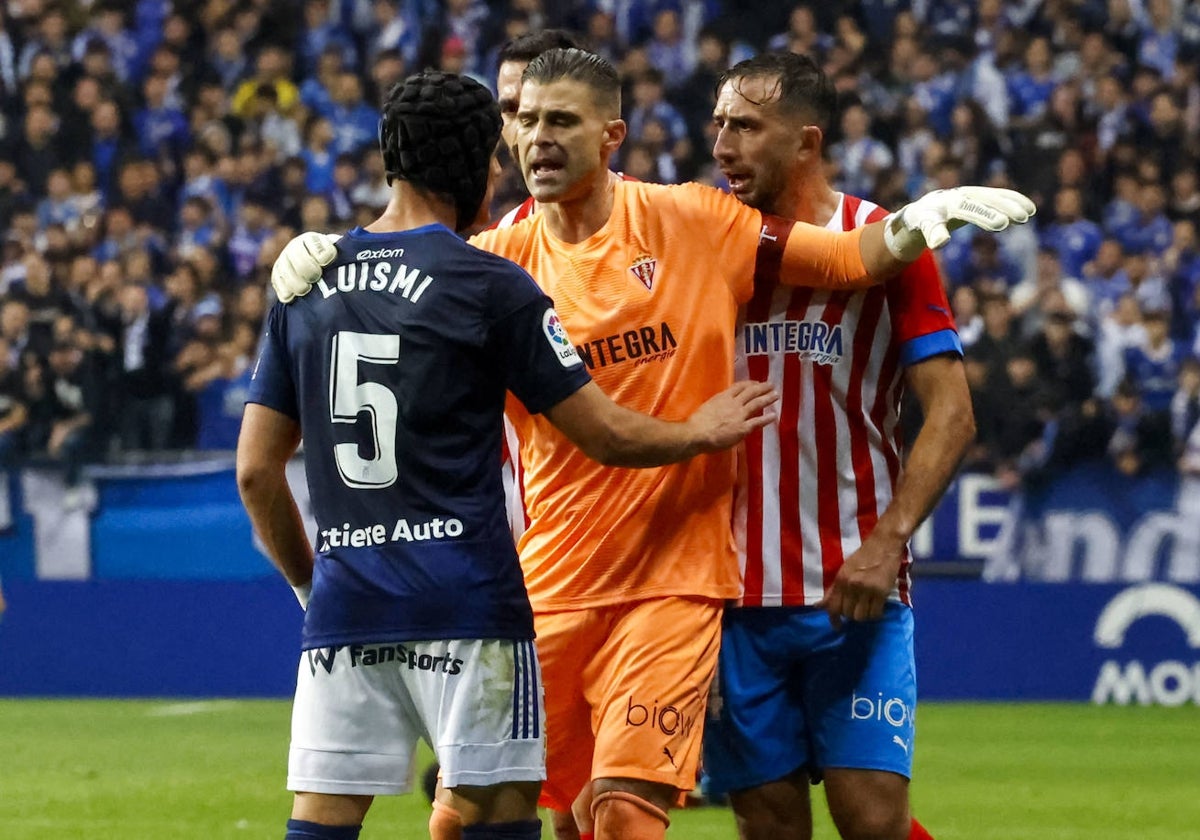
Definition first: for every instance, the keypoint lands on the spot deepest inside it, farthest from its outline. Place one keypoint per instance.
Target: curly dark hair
(439, 132)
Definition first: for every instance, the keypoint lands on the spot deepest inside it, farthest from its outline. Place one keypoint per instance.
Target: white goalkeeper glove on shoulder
(301, 264)
(927, 222)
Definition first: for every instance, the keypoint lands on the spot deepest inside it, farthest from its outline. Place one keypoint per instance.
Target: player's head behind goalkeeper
(439, 133)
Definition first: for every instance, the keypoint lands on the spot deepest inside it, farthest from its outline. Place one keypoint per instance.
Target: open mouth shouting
(545, 167)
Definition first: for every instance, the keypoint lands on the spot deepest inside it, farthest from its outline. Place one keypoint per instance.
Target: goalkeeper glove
(927, 222)
(301, 263)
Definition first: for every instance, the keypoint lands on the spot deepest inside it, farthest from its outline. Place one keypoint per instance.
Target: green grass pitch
(162, 770)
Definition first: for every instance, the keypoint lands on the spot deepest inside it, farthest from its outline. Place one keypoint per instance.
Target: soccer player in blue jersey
(394, 372)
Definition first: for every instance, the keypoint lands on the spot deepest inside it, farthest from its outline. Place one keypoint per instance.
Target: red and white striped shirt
(812, 486)
(510, 462)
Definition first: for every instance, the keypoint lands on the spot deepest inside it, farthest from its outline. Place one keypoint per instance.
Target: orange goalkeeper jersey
(650, 301)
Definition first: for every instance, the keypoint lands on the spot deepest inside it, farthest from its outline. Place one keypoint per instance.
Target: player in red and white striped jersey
(816, 670)
(815, 484)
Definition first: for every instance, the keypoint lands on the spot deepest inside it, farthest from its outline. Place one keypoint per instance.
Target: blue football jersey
(396, 366)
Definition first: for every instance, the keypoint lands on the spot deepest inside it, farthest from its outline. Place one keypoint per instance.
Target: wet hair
(439, 132)
(578, 66)
(800, 83)
(529, 46)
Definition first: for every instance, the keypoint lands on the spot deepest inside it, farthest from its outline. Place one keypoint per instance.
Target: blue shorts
(792, 693)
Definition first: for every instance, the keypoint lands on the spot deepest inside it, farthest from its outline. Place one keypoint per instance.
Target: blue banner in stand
(1137, 644)
(1101, 643)
(185, 522)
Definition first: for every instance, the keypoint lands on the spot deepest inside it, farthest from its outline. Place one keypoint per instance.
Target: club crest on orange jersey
(643, 270)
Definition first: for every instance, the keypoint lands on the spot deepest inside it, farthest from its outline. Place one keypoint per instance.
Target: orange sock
(918, 832)
(621, 815)
(445, 823)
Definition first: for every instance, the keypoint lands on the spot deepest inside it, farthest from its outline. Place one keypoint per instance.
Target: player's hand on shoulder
(725, 419)
(928, 221)
(301, 264)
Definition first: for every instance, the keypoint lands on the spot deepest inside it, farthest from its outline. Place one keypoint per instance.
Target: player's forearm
(276, 519)
(635, 440)
(268, 440)
(826, 259)
(879, 262)
(942, 443)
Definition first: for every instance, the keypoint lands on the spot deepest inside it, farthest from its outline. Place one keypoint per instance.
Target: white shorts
(359, 710)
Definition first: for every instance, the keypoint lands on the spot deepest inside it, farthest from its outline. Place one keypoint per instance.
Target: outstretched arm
(620, 437)
(865, 580)
(814, 256)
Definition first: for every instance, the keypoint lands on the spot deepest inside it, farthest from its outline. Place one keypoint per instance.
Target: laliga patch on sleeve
(560, 342)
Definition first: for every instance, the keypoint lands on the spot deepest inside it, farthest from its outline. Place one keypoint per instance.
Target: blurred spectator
(395, 29)
(227, 57)
(1153, 367)
(802, 35)
(271, 67)
(1105, 278)
(43, 300)
(163, 132)
(999, 339)
(1140, 439)
(964, 303)
(1063, 356)
(669, 52)
(987, 268)
(322, 33)
(108, 27)
(1149, 230)
(649, 105)
(1033, 294)
(355, 123)
(62, 398)
(859, 156)
(973, 142)
(1184, 202)
(1023, 441)
(1181, 267)
(58, 207)
(1185, 405)
(1148, 283)
(278, 132)
(221, 386)
(1075, 239)
(147, 406)
(255, 224)
(345, 179)
(14, 413)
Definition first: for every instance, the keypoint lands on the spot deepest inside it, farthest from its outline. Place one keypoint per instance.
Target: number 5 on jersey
(348, 398)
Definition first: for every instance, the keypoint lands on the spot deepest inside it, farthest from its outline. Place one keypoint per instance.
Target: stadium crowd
(155, 157)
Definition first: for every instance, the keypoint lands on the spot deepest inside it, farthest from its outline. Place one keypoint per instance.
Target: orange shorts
(626, 692)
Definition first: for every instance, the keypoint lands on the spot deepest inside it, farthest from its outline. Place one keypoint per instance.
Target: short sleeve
(272, 383)
(922, 323)
(543, 368)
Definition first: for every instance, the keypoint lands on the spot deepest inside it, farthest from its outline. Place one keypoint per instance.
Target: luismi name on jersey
(369, 276)
(403, 531)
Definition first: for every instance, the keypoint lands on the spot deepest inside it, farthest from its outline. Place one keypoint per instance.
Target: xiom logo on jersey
(813, 341)
(643, 270)
(560, 342)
